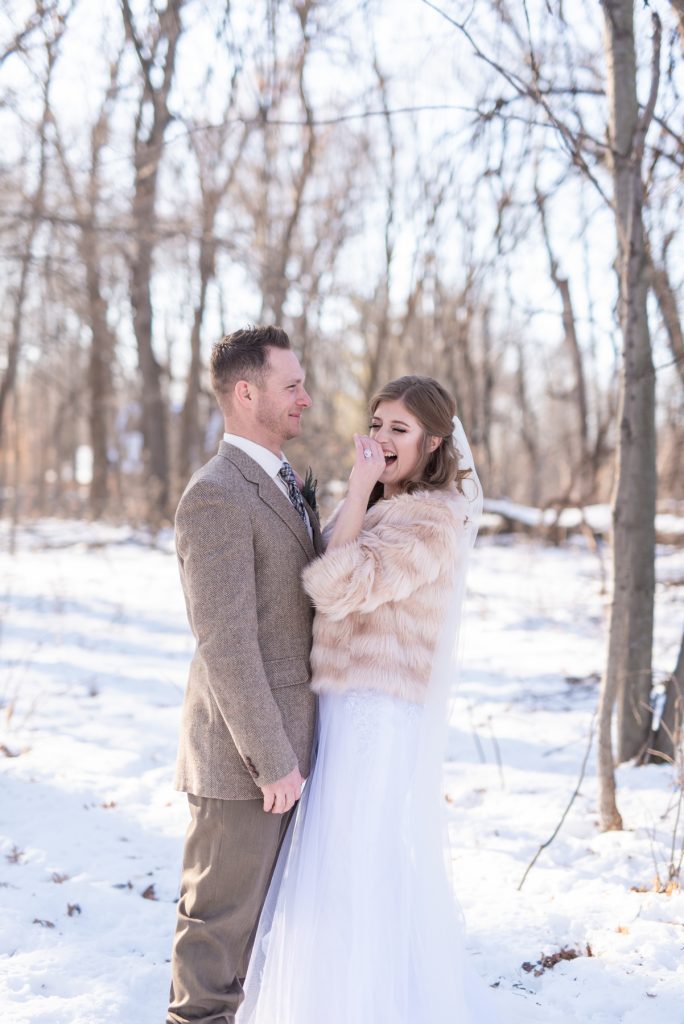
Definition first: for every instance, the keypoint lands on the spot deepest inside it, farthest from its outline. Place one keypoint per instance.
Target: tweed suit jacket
(249, 712)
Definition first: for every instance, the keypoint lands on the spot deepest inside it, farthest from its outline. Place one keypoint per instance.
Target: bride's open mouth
(390, 458)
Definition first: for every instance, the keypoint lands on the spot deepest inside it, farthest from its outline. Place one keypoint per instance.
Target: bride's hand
(367, 469)
(364, 476)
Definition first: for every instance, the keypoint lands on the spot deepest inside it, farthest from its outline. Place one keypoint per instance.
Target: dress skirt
(359, 927)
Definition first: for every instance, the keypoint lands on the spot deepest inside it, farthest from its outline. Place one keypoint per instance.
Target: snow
(598, 518)
(94, 650)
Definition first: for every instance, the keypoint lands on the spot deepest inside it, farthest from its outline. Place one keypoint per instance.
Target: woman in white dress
(360, 925)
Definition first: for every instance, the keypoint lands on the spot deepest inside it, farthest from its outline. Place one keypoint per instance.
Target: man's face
(279, 403)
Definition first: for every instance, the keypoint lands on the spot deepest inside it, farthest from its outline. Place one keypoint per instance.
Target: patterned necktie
(293, 491)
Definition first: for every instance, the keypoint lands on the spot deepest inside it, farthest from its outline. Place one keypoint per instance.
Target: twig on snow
(567, 809)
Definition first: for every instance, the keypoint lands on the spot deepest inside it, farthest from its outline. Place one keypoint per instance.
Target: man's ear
(243, 392)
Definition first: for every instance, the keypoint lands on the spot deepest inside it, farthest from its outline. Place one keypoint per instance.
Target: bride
(360, 925)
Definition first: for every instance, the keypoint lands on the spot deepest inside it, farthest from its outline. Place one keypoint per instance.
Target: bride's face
(400, 436)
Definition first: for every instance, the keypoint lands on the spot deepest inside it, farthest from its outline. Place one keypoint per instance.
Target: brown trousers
(230, 851)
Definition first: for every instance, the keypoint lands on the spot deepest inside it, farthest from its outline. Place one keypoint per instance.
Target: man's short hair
(243, 355)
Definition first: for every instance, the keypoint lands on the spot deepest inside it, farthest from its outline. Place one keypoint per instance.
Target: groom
(243, 535)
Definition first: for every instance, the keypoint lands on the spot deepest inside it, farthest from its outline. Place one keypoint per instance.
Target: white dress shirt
(269, 462)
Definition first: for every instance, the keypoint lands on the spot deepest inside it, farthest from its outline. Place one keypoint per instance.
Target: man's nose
(304, 399)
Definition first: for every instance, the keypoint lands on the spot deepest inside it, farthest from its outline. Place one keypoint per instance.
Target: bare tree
(217, 168)
(357, 222)
(529, 424)
(582, 470)
(678, 6)
(33, 212)
(670, 733)
(87, 202)
(378, 350)
(281, 230)
(627, 676)
(156, 50)
(667, 303)
(22, 40)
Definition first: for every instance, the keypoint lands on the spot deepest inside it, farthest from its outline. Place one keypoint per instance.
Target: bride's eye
(372, 427)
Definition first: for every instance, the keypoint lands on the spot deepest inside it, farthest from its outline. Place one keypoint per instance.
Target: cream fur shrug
(381, 599)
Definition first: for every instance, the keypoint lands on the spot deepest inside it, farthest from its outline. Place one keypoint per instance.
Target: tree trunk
(669, 736)
(530, 433)
(488, 385)
(191, 446)
(103, 342)
(627, 676)
(679, 11)
(587, 480)
(378, 356)
(152, 120)
(99, 378)
(667, 303)
(9, 379)
(153, 405)
(86, 203)
(211, 155)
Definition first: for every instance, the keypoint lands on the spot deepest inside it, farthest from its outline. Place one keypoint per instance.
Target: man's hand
(284, 793)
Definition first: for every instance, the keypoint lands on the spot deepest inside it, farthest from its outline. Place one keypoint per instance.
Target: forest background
(486, 192)
(403, 188)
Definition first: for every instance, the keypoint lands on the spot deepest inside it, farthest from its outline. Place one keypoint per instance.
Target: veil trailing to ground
(361, 924)
(446, 663)
(454, 992)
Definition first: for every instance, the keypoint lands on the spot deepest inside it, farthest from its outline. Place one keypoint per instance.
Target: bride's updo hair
(434, 407)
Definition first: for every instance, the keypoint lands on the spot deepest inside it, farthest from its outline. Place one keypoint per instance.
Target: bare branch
(132, 35)
(533, 93)
(648, 111)
(565, 813)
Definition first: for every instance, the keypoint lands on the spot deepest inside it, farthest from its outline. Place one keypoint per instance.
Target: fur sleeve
(407, 545)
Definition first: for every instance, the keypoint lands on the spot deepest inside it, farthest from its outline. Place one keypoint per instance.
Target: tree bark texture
(586, 488)
(678, 6)
(627, 676)
(667, 303)
(9, 378)
(213, 187)
(153, 118)
(669, 737)
(86, 202)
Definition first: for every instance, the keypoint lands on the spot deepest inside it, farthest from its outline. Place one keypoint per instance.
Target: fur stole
(381, 599)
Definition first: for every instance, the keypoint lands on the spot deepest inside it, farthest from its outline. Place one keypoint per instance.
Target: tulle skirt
(359, 927)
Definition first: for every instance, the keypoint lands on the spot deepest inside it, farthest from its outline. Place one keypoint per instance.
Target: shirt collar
(269, 462)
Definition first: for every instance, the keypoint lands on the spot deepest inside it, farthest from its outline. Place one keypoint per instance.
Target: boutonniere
(308, 490)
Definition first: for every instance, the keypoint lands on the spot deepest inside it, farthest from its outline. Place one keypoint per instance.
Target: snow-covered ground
(94, 650)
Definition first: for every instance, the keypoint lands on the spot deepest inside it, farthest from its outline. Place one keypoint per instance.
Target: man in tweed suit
(243, 535)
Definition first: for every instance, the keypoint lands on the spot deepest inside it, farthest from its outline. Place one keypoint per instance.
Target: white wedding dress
(360, 925)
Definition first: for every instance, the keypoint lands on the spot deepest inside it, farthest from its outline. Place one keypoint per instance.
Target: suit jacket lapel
(283, 507)
(270, 493)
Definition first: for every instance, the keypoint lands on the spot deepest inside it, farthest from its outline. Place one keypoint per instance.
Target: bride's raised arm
(368, 467)
(404, 544)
